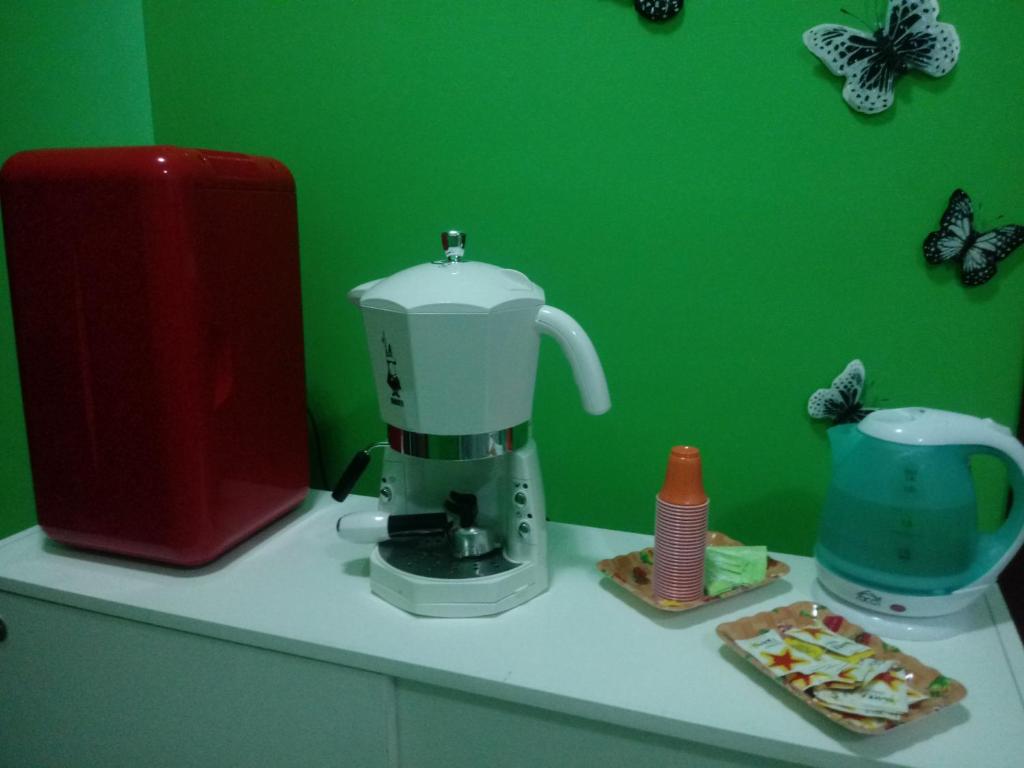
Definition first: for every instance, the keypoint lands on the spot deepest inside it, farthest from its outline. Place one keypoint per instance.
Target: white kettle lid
(931, 426)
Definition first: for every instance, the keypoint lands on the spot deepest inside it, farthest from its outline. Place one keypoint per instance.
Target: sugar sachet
(726, 568)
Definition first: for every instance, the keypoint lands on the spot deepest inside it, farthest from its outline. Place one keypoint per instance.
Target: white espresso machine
(460, 524)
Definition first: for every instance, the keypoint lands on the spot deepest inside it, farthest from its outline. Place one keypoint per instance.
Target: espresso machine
(460, 525)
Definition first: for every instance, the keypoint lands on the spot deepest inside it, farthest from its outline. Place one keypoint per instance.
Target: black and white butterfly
(957, 240)
(841, 403)
(912, 38)
(658, 10)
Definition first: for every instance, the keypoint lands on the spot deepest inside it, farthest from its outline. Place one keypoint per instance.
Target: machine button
(519, 498)
(524, 528)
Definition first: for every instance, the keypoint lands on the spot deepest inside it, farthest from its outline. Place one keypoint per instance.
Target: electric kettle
(899, 529)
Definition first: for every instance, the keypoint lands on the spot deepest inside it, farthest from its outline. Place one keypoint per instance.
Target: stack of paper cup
(681, 528)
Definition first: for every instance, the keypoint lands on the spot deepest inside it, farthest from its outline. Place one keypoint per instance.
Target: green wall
(72, 73)
(696, 195)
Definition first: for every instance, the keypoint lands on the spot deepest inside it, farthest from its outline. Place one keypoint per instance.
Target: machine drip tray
(431, 556)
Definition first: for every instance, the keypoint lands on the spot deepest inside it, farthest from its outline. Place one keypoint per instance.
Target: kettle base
(891, 602)
(892, 627)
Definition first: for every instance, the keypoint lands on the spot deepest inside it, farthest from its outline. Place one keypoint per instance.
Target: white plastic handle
(583, 359)
(363, 527)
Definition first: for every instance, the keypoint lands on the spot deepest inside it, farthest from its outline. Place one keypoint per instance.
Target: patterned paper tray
(634, 572)
(942, 691)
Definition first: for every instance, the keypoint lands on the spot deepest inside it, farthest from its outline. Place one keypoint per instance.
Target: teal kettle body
(899, 528)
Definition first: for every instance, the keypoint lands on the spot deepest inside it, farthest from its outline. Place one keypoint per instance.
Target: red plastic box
(158, 320)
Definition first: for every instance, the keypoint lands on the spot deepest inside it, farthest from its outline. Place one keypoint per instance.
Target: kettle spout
(842, 438)
(583, 359)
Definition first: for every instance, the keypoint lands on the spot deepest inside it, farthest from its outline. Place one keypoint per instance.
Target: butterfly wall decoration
(841, 403)
(957, 240)
(658, 10)
(911, 38)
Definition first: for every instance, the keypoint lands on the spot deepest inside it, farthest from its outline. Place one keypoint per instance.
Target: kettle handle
(996, 549)
(583, 359)
(930, 426)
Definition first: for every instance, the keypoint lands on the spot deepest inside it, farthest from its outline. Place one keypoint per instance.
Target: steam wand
(354, 471)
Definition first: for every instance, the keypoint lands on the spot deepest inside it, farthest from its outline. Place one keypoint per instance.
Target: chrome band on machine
(459, 447)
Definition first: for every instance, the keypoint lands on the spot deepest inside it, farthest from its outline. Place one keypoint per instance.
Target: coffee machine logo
(394, 384)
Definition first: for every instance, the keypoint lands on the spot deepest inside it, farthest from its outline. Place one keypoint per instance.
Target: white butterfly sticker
(912, 38)
(840, 403)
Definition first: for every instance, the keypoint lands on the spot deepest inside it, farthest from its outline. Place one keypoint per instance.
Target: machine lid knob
(454, 244)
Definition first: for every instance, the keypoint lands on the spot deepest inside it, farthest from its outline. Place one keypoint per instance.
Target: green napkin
(726, 568)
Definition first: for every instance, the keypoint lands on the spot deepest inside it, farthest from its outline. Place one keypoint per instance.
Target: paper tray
(635, 573)
(942, 691)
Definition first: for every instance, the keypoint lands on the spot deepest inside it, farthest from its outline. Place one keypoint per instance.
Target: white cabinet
(83, 689)
(441, 728)
(80, 689)
(279, 655)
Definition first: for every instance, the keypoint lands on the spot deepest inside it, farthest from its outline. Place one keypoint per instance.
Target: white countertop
(585, 648)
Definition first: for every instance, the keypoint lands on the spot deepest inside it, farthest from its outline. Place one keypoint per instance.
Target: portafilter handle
(374, 527)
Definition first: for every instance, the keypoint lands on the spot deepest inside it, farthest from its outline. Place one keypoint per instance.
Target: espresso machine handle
(583, 359)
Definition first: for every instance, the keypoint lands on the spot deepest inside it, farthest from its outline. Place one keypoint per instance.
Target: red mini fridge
(157, 316)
